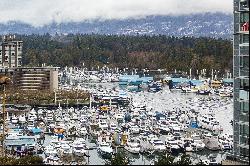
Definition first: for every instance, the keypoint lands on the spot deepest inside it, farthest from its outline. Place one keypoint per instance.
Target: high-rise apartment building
(241, 80)
(10, 52)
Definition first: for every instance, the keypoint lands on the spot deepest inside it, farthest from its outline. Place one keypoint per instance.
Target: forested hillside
(152, 52)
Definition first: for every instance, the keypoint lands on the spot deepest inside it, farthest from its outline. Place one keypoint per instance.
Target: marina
(124, 83)
(143, 123)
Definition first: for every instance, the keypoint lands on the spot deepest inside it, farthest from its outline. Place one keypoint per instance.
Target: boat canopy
(36, 130)
(128, 78)
(146, 79)
(196, 82)
(104, 108)
(230, 81)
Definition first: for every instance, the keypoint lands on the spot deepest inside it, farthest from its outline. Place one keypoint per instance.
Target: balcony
(244, 95)
(244, 50)
(245, 118)
(244, 28)
(35, 74)
(244, 5)
(31, 80)
(245, 146)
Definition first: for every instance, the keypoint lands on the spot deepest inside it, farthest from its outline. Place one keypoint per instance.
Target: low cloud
(42, 12)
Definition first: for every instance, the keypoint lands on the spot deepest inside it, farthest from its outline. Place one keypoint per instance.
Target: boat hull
(133, 151)
(104, 155)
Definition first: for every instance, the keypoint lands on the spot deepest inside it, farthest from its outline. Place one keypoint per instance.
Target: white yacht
(50, 151)
(158, 145)
(103, 125)
(164, 127)
(189, 90)
(134, 129)
(119, 117)
(225, 144)
(79, 148)
(51, 160)
(105, 150)
(65, 149)
(22, 119)
(14, 119)
(112, 127)
(173, 147)
(188, 144)
(55, 143)
(199, 144)
(83, 131)
(133, 146)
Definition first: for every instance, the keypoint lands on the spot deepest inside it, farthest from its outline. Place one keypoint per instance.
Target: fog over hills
(216, 25)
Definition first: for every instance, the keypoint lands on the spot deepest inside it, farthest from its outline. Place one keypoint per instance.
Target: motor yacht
(158, 145)
(105, 150)
(50, 151)
(133, 146)
(79, 148)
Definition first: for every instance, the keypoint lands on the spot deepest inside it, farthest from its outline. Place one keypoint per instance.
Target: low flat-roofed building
(33, 78)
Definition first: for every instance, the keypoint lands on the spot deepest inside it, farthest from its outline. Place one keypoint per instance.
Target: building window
(244, 66)
(244, 84)
(244, 17)
(244, 131)
(244, 5)
(244, 38)
(243, 152)
(244, 95)
(244, 61)
(244, 107)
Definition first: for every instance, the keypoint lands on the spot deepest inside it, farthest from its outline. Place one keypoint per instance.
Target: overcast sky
(41, 12)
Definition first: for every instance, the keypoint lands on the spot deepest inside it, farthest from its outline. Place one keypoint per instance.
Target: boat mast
(3, 137)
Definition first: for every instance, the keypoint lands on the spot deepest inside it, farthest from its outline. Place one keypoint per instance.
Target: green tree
(184, 160)
(158, 51)
(170, 160)
(119, 158)
(27, 160)
(165, 160)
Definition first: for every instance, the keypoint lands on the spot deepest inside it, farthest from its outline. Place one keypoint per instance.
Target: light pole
(77, 99)
(4, 81)
(3, 137)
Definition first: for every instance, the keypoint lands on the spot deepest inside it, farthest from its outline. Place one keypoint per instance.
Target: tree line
(123, 51)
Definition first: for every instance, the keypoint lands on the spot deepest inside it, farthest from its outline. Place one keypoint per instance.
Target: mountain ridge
(216, 25)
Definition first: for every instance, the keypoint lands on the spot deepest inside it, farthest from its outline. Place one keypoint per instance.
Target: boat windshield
(78, 148)
(135, 145)
(158, 143)
(104, 145)
(173, 143)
